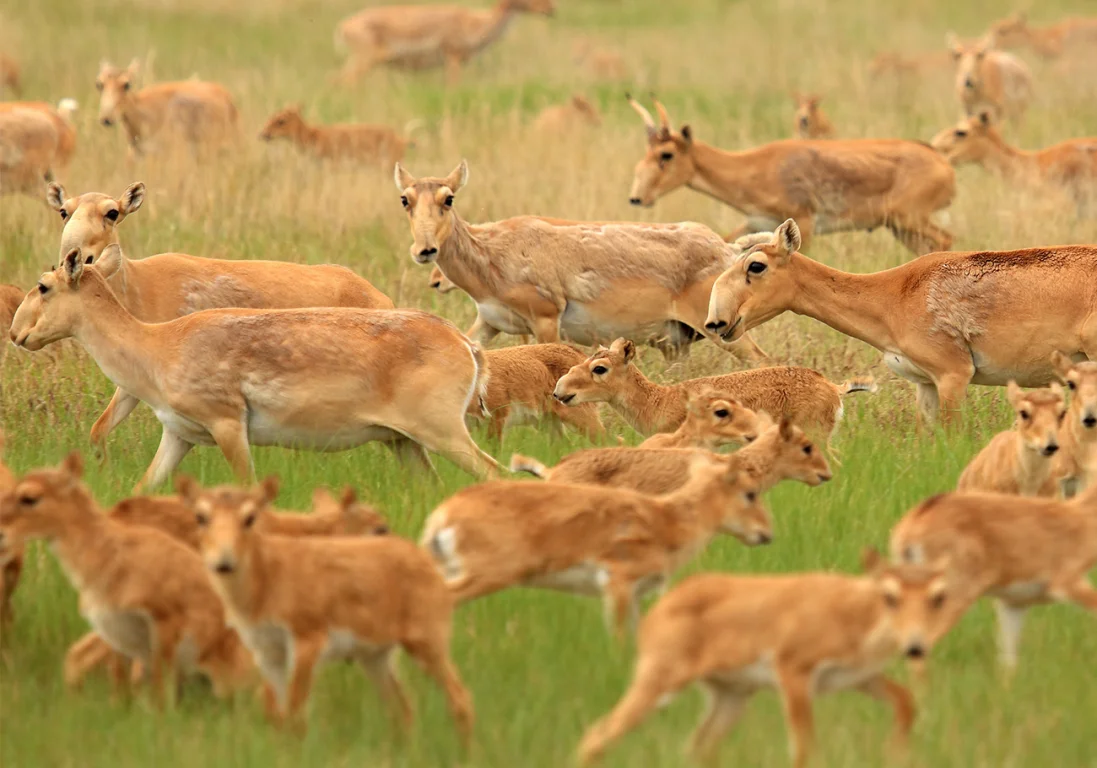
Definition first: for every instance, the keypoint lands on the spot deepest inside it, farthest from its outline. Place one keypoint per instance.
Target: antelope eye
(98, 85)
(249, 521)
(201, 519)
(961, 134)
(756, 268)
(599, 370)
(891, 600)
(28, 501)
(125, 86)
(404, 200)
(937, 601)
(722, 413)
(42, 288)
(449, 200)
(1024, 415)
(807, 450)
(1071, 385)
(112, 214)
(666, 156)
(751, 496)
(64, 214)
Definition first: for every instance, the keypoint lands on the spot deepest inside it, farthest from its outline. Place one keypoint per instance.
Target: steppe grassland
(540, 665)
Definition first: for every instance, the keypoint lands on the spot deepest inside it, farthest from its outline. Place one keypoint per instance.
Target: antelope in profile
(1076, 463)
(610, 376)
(987, 78)
(236, 378)
(426, 35)
(298, 602)
(376, 144)
(601, 542)
(827, 186)
(576, 114)
(940, 321)
(1070, 165)
(713, 420)
(810, 121)
(192, 111)
(804, 634)
(581, 280)
(167, 286)
(1018, 550)
(1074, 35)
(1019, 460)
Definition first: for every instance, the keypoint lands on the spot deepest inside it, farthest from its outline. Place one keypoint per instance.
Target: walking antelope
(1070, 164)
(827, 186)
(320, 379)
(805, 634)
(378, 144)
(943, 321)
(810, 121)
(426, 36)
(1074, 35)
(582, 280)
(167, 286)
(992, 79)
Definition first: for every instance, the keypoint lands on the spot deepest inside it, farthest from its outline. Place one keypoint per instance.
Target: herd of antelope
(218, 583)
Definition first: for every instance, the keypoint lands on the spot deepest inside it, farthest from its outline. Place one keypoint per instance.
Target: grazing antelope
(827, 186)
(1019, 460)
(781, 452)
(320, 379)
(1070, 164)
(11, 558)
(986, 78)
(943, 321)
(713, 420)
(426, 35)
(810, 122)
(297, 602)
(143, 592)
(804, 634)
(576, 114)
(62, 116)
(167, 286)
(611, 376)
(1074, 35)
(377, 144)
(1021, 551)
(1076, 463)
(581, 280)
(519, 388)
(194, 111)
(601, 542)
(10, 75)
(29, 149)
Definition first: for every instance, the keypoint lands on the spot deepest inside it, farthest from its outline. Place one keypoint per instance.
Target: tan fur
(376, 144)
(167, 286)
(11, 296)
(10, 75)
(11, 557)
(803, 634)
(607, 542)
(519, 389)
(827, 186)
(29, 148)
(61, 115)
(990, 79)
(1020, 551)
(319, 379)
(781, 452)
(1075, 466)
(1019, 460)
(943, 321)
(297, 602)
(810, 122)
(556, 278)
(610, 376)
(142, 591)
(599, 62)
(1076, 35)
(421, 36)
(561, 119)
(713, 420)
(1070, 164)
(905, 66)
(439, 282)
(198, 113)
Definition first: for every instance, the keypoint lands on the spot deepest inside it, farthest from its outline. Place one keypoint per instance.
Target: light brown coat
(990, 79)
(375, 144)
(713, 420)
(1075, 35)
(562, 119)
(810, 121)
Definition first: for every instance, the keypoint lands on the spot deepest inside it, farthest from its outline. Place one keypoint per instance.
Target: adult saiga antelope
(986, 78)
(587, 281)
(943, 321)
(1077, 35)
(827, 186)
(323, 379)
(169, 285)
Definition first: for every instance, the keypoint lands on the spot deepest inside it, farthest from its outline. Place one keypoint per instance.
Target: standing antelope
(1074, 35)
(319, 379)
(988, 78)
(376, 144)
(1070, 164)
(943, 321)
(810, 121)
(426, 35)
(827, 186)
(170, 285)
(582, 280)
(193, 111)
(1076, 463)
(297, 602)
(1019, 460)
(804, 634)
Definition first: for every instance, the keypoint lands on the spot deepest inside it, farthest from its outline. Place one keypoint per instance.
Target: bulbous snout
(1089, 420)
(222, 562)
(968, 82)
(1050, 449)
(915, 650)
(106, 122)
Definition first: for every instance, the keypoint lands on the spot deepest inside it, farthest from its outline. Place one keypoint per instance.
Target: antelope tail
(858, 384)
(520, 463)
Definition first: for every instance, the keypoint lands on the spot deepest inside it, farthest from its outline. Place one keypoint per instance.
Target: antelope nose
(428, 251)
(224, 568)
(969, 83)
(714, 327)
(916, 651)
(765, 538)
(106, 121)
(635, 201)
(824, 477)
(1050, 450)
(1090, 422)
(564, 398)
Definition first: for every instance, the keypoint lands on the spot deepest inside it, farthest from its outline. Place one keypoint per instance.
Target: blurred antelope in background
(576, 114)
(991, 79)
(1076, 464)
(810, 121)
(376, 144)
(10, 76)
(1076, 35)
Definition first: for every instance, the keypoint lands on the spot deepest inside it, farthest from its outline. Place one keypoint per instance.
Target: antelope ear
(871, 560)
(625, 348)
(55, 195)
(187, 488)
(458, 177)
(1062, 364)
(687, 135)
(402, 178)
(321, 497)
(110, 260)
(1056, 389)
(134, 67)
(952, 42)
(72, 266)
(349, 497)
(787, 239)
(1014, 393)
(269, 489)
(73, 465)
(132, 198)
(785, 426)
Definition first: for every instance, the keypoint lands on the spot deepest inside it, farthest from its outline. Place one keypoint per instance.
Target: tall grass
(539, 665)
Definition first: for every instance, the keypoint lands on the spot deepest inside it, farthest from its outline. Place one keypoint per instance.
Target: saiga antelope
(426, 35)
(827, 186)
(61, 115)
(560, 119)
(297, 602)
(585, 281)
(11, 557)
(170, 285)
(713, 419)
(377, 144)
(804, 634)
(1076, 464)
(1074, 35)
(319, 379)
(11, 296)
(29, 150)
(10, 75)
(810, 121)
(992, 79)
(943, 321)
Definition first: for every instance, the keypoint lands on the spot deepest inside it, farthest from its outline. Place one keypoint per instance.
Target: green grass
(540, 666)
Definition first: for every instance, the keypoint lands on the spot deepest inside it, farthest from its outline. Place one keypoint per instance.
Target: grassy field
(540, 666)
